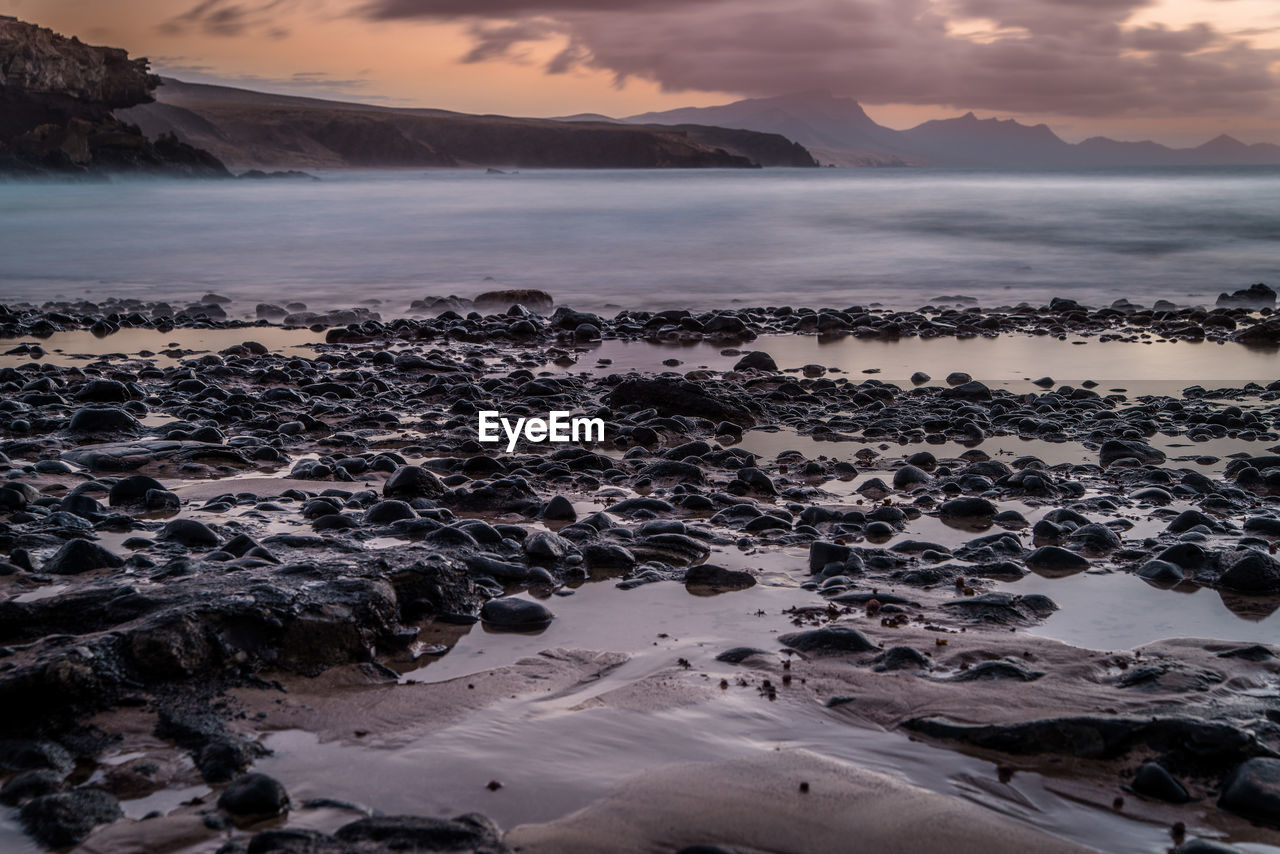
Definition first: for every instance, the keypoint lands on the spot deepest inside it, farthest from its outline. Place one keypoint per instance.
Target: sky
(1179, 71)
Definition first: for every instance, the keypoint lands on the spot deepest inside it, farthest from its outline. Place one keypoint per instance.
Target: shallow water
(829, 236)
(557, 754)
(1009, 361)
(77, 347)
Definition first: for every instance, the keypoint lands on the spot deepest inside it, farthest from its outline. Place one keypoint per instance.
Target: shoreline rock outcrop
(57, 97)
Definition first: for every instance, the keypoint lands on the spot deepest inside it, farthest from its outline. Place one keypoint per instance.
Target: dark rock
(559, 509)
(1153, 781)
(822, 553)
(1252, 573)
(1055, 559)
(678, 397)
(1188, 519)
(829, 639)
(1253, 790)
(79, 556)
(1160, 572)
(532, 299)
(972, 390)
(1254, 296)
(516, 614)
(463, 834)
(254, 796)
(709, 575)
(104, 420)
(1184, 739)
(967, 508)
(31, 784)
(1094, 538)
(739, 654)
(608, 556)
(1119, 449)
(1264, 525)
(386, 512)
(902, 658)
(756, 360)
(409, 482)
(909, 476)
(189, 533)
(132, 490)
(64, 819)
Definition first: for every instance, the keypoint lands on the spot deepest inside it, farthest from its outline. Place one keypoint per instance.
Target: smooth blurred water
(652, 238)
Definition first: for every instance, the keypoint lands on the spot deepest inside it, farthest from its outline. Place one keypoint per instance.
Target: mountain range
(839, 132)
(259, 130)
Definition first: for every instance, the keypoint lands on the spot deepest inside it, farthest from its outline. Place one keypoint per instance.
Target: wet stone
(1153, 781)
(516, 614)
(1253, 790)
(901, 658)
(254, 796)
(739, 654)
(715, 577)
(1055, 559)
(190, 533)
(829, 639)
(409, 482)
(79, 556)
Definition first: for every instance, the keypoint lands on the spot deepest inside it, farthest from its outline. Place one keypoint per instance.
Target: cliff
(57, 97)
(264, 131)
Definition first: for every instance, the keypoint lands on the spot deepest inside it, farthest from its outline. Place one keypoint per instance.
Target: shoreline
(187, 533)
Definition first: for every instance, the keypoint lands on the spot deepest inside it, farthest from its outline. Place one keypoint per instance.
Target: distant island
(838, 131)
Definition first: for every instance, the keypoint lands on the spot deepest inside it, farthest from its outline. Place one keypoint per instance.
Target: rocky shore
(200, 548)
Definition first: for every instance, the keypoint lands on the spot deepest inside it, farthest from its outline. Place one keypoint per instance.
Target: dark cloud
(229, 19)
(388, 10)
(1073, 57)
(317, 84)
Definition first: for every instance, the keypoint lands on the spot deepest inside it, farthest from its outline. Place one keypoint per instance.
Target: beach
(848, 572)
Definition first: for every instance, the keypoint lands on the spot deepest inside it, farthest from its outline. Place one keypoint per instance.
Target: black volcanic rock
(679, 397)
(1254, 296)
(79, 556)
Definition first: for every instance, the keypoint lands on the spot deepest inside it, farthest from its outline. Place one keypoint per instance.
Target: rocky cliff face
(56, 101)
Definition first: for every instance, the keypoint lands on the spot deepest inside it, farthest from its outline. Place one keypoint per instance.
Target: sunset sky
(1180, 71)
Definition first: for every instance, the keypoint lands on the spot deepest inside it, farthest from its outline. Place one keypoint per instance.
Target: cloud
(1067, 57)
(229, 19)
(315, 84)
(389, 10)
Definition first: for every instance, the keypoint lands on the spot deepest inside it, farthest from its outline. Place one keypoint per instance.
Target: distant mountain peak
(838, 130)
(1223, 142)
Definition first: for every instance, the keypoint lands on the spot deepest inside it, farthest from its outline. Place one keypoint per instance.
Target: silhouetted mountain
(970, 141)
(265, 131)
(838, 131)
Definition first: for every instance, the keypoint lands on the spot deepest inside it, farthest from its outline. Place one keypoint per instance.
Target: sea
(608, 240)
